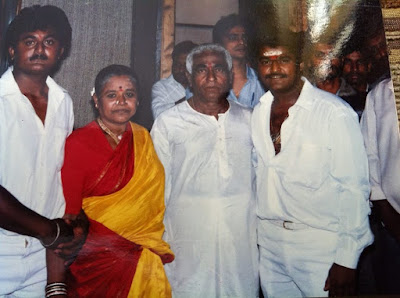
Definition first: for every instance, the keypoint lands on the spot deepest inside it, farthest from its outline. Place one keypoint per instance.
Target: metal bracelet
(55, 239)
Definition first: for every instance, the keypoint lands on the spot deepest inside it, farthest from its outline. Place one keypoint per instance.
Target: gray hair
(208, 48)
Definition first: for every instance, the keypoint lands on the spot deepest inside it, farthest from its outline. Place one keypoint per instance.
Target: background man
(380, 129)
(170, 91)
(324, 69)
(205, 146)
(36, 116)
(356, 68)
(312, 181)
(375, 49)
(230, 32)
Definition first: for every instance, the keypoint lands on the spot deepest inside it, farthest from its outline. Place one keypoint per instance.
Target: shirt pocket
(306, 166)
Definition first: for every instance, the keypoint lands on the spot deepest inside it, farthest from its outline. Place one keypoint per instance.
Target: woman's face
(117, 101)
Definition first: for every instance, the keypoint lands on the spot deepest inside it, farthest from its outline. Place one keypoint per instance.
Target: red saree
(124, 254)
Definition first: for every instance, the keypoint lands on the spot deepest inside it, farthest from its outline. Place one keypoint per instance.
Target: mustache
(38, 57)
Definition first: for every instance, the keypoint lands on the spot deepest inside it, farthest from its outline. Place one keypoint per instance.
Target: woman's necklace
(116, 138)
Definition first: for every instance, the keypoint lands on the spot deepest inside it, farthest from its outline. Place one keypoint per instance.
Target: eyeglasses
(237, 37)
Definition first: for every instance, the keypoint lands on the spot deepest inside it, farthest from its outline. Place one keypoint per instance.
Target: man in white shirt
(36, 116)
(205, 146)
(170, 91)
(312, 180)
(380, 128)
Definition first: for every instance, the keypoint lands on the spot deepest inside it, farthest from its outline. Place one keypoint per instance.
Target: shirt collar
(250, 73)
(13, 88)
(8, 80)
(305, 99)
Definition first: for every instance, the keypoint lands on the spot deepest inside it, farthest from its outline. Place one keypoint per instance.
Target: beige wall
(195, 19)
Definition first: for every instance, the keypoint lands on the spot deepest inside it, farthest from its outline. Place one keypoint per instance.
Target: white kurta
(210, 219)
(380, 129)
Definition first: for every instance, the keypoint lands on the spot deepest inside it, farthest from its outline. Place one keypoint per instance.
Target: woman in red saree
(112, 172)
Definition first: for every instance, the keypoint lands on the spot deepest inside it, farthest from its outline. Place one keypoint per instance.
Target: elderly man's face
(210, 78)
(278, 70)
(323, 63)
(179, 69)
(235, 42)
(36, 52)
(355, 69)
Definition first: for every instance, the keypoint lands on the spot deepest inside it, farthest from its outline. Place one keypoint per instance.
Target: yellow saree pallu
(136, 214)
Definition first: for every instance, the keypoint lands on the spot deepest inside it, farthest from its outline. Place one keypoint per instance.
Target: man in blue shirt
(230, 32)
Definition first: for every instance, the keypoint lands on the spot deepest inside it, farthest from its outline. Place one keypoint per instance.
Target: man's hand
(61, 233)
(341, 281)
(389, 216)
(69, 250)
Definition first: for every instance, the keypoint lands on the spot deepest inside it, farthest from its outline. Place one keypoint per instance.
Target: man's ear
(61, 53)
(369, 66)
(11, 52)
(189, 78)
(301, 66)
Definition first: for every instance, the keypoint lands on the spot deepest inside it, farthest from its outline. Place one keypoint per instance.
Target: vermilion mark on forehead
(273, 57)
(120, 88)
(272, 53)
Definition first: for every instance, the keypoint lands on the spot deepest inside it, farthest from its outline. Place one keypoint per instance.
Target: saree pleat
(135, 214)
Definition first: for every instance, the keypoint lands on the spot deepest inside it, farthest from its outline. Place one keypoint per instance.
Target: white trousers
(22, 267)
(294, 263)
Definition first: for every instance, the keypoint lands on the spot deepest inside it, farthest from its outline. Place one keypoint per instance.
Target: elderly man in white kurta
(205, 146)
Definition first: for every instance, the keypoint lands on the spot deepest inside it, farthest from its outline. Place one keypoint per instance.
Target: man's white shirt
(32, 154)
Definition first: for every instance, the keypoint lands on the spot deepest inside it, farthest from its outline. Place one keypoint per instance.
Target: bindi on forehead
(120, 88)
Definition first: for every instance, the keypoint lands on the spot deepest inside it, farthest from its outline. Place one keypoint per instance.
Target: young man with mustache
(312, 180)
(36, 117)
(230, 32)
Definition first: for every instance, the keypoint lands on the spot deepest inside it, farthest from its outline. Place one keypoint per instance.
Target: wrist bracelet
(55, 239)
(56, 288)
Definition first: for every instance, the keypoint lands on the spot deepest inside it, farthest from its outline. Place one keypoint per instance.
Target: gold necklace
(276, 138)
(116, 138)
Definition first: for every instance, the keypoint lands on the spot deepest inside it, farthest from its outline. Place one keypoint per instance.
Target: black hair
(225, 24)
(113, 70)
(38, 17)
(354, 44)
(183, 47)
